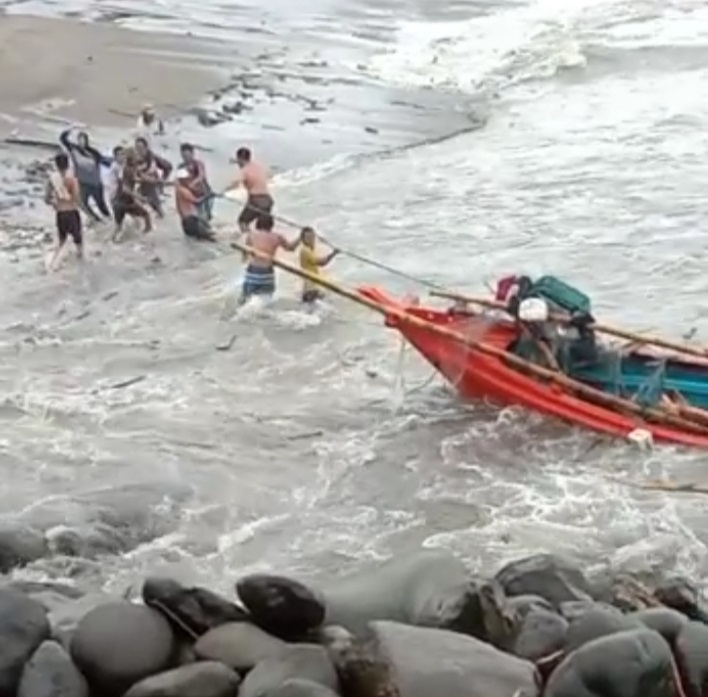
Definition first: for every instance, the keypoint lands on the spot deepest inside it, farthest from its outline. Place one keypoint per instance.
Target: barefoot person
(149, 123)
(87, 162)
(62, 193)
(312, 263)
(260, 274)
(198, 183)
(188, 207)
(127, 201)
(254, 178)
(148, 175)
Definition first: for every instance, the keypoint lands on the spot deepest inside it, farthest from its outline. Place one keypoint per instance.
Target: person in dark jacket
(87, 161)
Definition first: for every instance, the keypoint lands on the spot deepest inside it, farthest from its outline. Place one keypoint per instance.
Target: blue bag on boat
(561, 294)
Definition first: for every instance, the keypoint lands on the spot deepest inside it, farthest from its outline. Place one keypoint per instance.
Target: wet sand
(88, 72)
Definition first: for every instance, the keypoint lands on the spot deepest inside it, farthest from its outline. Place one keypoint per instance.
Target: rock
(553, 578)
(50, 673)
(691, 650)
(303, 661)
(300, 688)
(629, 594)
(428, 662)
(89, 541)
(205, 679)
(681, 595)
(119, 644)
(573, 609)
(196, 608)
(598, 622)
(542, 632)
(635, 663)
(65, 617)
(281, 606)
(23, 627)
(431, 588)
(239, 645)
(20, 545)
(664, 620)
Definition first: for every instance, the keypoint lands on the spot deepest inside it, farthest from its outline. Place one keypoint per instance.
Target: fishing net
(459, 357)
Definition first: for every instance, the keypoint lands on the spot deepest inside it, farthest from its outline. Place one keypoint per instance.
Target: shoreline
(292, 111)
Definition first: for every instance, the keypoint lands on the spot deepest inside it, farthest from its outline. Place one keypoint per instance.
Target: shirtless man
(260, 274)
(62, 193)
(254, 177)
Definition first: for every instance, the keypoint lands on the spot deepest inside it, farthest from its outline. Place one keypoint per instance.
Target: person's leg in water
(260, 281)
(98, 195)
(85, 192)
(151, 193)
(196, 228)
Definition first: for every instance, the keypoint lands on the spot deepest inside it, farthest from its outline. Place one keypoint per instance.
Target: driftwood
(32, 143)
(656, 414)
(665, 485)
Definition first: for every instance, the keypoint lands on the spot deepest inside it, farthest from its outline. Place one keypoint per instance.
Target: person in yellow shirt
(312, 263)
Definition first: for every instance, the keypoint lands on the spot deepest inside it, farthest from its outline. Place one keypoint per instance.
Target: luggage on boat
(561, 294)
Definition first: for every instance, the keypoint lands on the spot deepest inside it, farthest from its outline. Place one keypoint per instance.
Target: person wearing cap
(188, 204)
(254, 178)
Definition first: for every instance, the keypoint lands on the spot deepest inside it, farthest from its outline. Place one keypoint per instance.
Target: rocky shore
(414, 626)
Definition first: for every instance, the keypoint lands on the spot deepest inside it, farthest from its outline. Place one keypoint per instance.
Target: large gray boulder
(239, 645)
(634, 663)
(118, 644)
(431, 588)
(426, 662)
(51, 673)
(23, 627)
(554, 578)
(302, 661)
(205, 679)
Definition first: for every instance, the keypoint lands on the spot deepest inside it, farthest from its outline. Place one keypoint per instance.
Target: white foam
(490, 51)
(536, 40)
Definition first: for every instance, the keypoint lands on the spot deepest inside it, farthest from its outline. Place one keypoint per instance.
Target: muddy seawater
(317, 442)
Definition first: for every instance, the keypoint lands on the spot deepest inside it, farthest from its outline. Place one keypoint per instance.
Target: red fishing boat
(476, 351)
(529, 354)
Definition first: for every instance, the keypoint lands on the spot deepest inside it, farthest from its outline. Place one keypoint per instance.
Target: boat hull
(477, 375)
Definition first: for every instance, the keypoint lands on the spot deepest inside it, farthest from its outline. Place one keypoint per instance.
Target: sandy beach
(88, 72)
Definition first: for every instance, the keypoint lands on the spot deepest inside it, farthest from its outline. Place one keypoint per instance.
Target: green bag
(560, 293)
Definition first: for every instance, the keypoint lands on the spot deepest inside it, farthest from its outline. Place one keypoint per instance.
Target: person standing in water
(127, 200)
(198, 182)
(254, 178)
(260, 273)
(149, 177)
(62, 193)
(149, 124)
(312, 263)
(87, 162)
(187, 205)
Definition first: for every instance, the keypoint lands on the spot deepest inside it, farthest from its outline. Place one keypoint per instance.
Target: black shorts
(255, 206)
(195, 227)
(311, 296)
(69, 225)
(126, 205)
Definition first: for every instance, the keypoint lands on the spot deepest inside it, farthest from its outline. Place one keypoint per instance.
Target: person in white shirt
(149, 124)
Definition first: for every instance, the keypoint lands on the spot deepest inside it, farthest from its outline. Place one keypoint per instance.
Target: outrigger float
(536, 345)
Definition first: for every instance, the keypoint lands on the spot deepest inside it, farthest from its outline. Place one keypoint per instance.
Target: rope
(342, 250)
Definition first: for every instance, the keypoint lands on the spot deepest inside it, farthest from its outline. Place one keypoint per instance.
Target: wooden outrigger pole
(565, 319)
(657, 414)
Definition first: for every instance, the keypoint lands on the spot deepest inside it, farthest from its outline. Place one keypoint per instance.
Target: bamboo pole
(580, 388)
(565, 319)
(664, 485)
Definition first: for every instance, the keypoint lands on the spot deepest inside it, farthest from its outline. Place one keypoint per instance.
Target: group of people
(137, 182)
